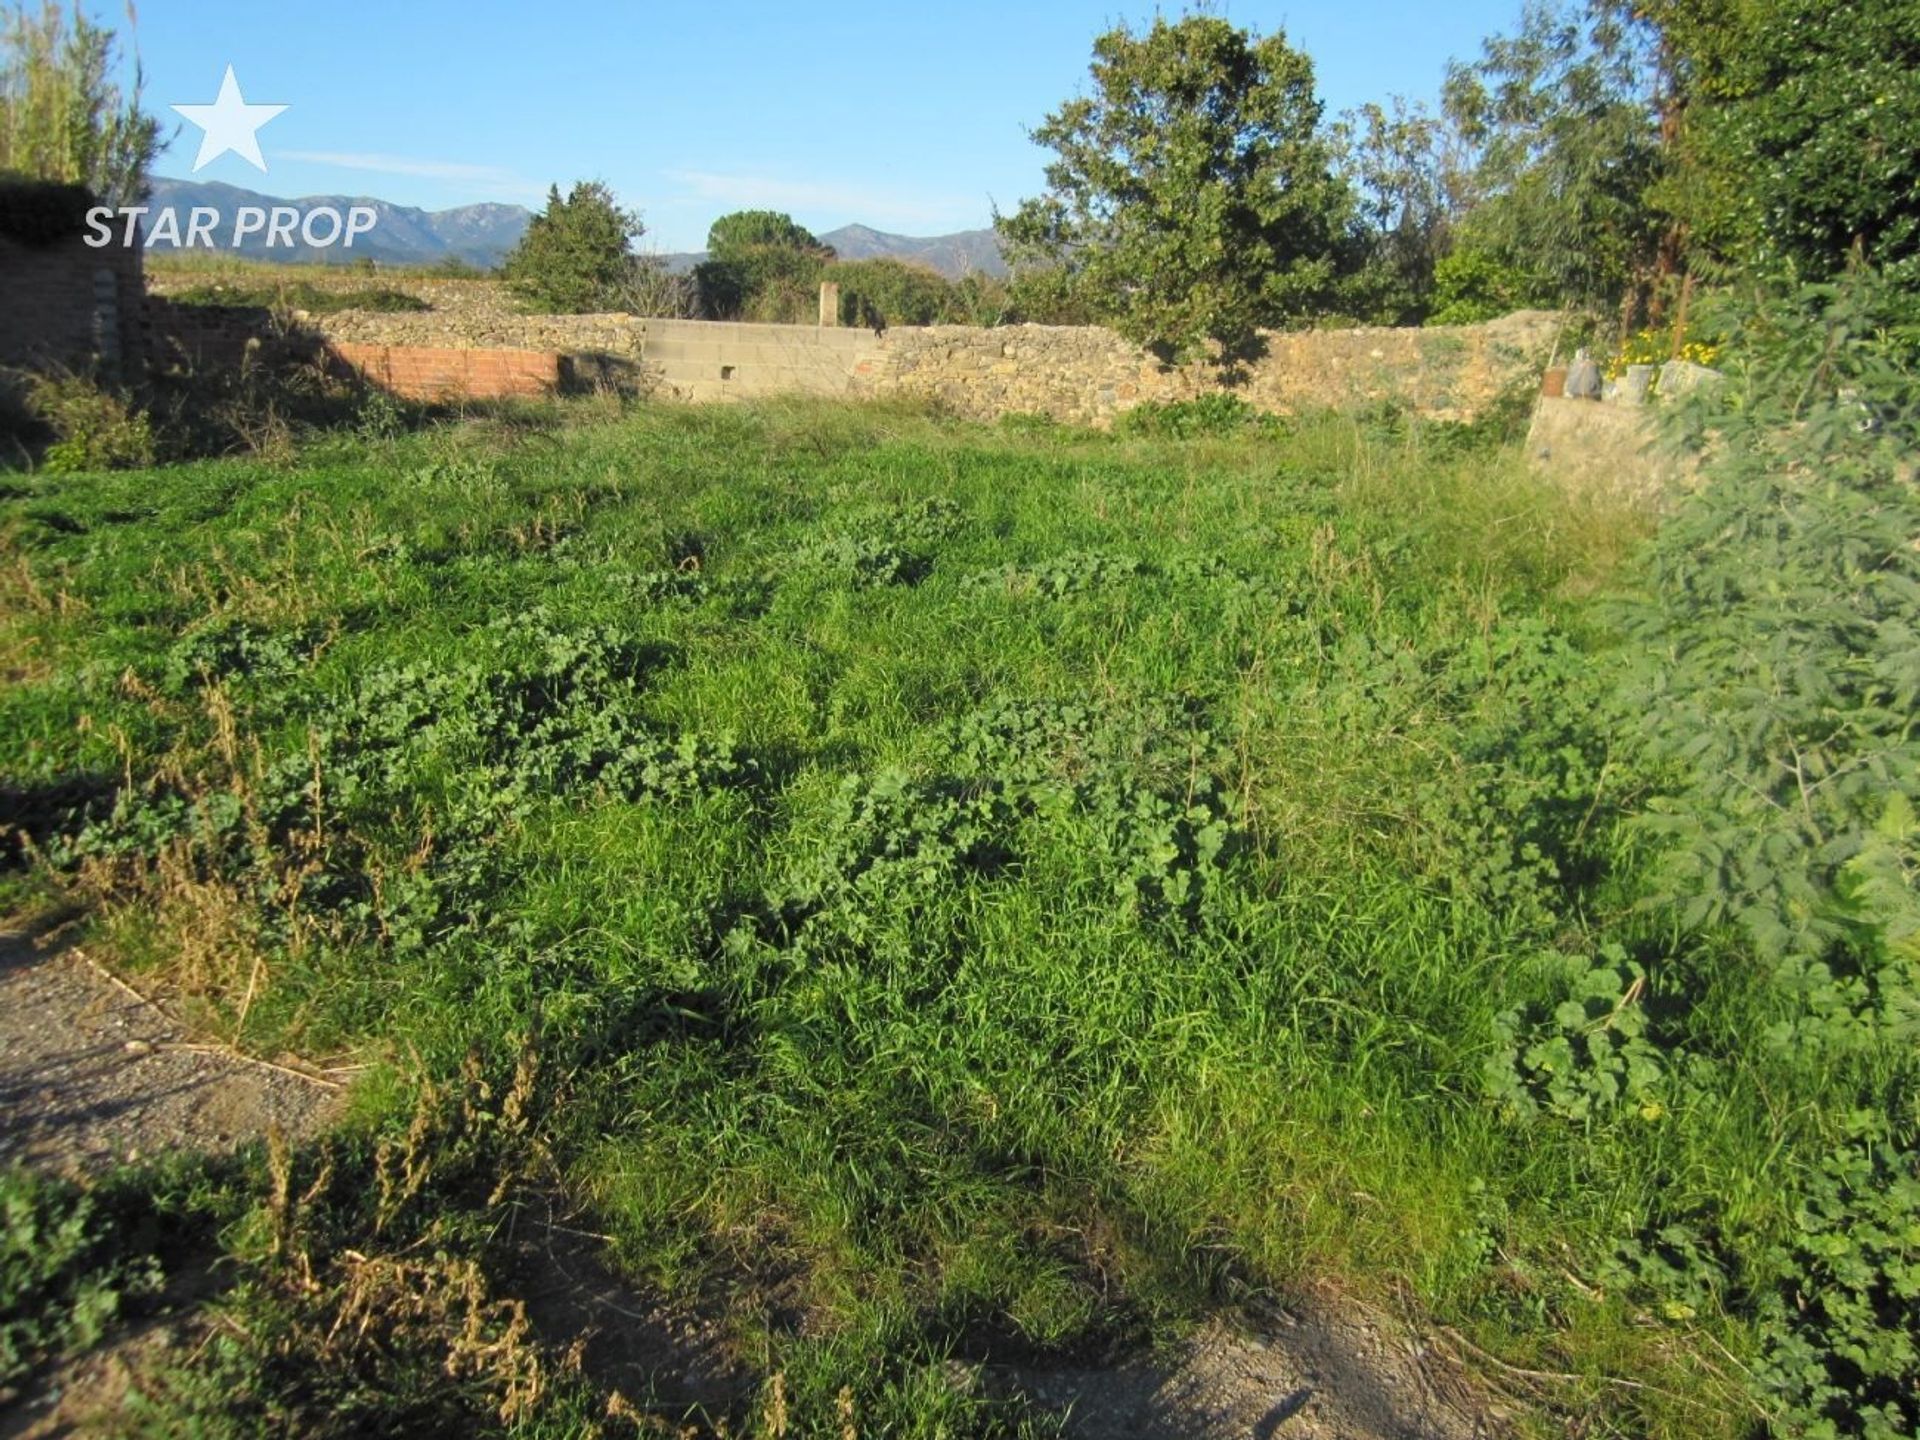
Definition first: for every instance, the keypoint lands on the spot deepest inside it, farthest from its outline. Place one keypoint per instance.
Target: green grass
(971, 891)
(279, 293)
(224, 267)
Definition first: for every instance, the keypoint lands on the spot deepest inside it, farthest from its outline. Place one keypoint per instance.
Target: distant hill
(483, 234)
(965, 252)
(402, 235)
(961, 253)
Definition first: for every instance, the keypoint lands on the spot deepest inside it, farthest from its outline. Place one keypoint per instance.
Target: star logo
(229, 123)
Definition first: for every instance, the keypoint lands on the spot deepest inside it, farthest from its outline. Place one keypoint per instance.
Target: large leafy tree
(760, 263)
(1799, 146)
(1564, 119)
(1407, 167)
(577, 255)
(1192, 196)
(63, 115)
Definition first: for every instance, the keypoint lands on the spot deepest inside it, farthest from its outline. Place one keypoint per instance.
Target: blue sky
(907, 117)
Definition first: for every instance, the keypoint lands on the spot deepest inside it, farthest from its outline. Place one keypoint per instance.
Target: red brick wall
(419, 372)
(50, 296)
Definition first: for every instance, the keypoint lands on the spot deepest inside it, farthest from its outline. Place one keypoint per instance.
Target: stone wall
(1078, 374)
(466, 314)
(1612, 449)
(1088, 376)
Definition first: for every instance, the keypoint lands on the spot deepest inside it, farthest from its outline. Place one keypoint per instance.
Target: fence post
(829, 302)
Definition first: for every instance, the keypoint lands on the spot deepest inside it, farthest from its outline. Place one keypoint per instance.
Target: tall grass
(973, 893)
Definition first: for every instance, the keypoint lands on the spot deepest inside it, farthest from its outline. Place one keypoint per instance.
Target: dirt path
(1328, 1372)
(92, 1076)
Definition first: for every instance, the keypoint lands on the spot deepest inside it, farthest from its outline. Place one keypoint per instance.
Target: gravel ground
(92, 1076)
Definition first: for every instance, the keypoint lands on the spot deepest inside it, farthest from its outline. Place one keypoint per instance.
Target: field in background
(915, 890)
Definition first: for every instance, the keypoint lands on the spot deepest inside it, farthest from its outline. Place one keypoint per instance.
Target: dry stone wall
(1088, 375)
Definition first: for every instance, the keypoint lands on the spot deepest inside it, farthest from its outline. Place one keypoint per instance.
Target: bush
(1473, 285)
(1207, 417)
(576, 257)
(1772, 708)
(94, 428)
(1049, 295)
(1842, 1337)
(1779, 677)
(892, 292)
(65, 1272)
(760, 266)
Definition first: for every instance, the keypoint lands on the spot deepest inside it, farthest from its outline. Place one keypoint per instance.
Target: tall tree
(1408, 169)
(63, 115)
(1192, 196)
(577, 255)
(1564, 118)
(1800, 145)
(760, 263)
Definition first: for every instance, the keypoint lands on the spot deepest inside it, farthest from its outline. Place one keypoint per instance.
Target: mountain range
(483, 234)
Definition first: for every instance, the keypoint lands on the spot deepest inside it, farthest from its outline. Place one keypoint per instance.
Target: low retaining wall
(1077, 374)
(1088, 375)
(1613, 450)
(421, 372)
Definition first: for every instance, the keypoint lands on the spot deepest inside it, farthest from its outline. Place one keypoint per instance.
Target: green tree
(1192, 196)
(892, 292)
(746, 230)
(1800, 142)
(1407, 169)
(1565, 122)
(760, 264)
(577, 255)
(63, 116)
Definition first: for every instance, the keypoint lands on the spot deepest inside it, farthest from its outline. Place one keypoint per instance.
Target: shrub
(1772, 704)
(1472, 285)
(761, 266)
(892, 292)
(1842, 1337)
(1207, 416)
(1779, 676)
(65, 1272)
(94, 428)
(576, 256)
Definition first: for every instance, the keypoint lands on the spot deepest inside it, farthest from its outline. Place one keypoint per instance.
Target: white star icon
(229, 124)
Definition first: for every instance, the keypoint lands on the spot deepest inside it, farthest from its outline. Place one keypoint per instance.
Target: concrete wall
(70, 305)
(717, 360)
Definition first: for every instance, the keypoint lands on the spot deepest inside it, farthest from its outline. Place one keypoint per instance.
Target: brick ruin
(64, 304)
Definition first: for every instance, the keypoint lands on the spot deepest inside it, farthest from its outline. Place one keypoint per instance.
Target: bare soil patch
(1329, 1372)
(92, 1075)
